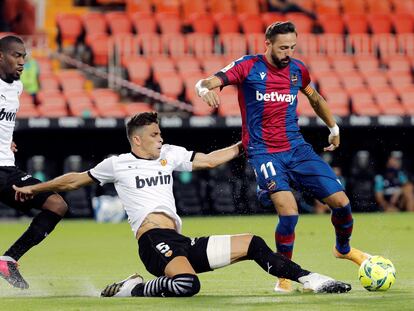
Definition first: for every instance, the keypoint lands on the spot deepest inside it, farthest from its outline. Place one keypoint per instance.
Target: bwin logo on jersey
(153, 180)
(275, 97)
(7, 115)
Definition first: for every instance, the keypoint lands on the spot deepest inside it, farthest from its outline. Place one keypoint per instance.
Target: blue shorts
(300, 166)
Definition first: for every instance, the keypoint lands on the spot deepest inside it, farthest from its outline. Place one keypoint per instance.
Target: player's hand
(211, 98)
(23, 193)
(334, 143)
(13, 147)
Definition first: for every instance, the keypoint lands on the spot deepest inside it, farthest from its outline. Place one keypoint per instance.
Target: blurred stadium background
(93, 63)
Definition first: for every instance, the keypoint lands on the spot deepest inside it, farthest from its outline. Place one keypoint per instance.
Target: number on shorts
(268, 166)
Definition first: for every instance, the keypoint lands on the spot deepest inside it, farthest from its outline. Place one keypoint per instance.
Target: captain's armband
(308, 91)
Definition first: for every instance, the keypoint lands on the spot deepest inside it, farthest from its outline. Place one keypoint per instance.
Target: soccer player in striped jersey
(268, 85)
(143, 180)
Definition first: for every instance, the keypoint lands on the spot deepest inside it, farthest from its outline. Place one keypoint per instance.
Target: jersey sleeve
(103, 173)
(235, 72)
(182, 159)
(306, 80)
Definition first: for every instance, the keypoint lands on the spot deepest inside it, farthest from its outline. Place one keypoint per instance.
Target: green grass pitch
(68, 270)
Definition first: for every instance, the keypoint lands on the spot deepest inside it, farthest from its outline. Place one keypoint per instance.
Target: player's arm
(217, 157)
(67, 182)
(322, 110)
(204, 89)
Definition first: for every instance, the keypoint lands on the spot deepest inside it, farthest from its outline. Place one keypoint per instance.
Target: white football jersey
(145, 186)
(9, 104)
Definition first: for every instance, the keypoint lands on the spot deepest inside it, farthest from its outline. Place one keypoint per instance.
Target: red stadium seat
(366, 63)
(49, 82)
(403, 23)
(352, 81)
(229, 104)
(332, 44)
(133, 6)
(406, 43)
(327, 7)
(42, 94)
(45, 65)
(170, 6)
(73, 83)
(385, 43)
(234, 44)
(70, 27)
(118, 22)
(404, 6)
(269, 18)
(53, 106)
(352, 6)
(101, 45)
(137, 107)
(212, 64)
(338, 102)
(379, 6)
(252, 24)
(201, 45)
(191, 7)
(363, 104)
(221, 6)
(360, 44)
(27, 111)
(104, 96)
(388, 102)
(255, 43)
(380, 23)
(319, 63)
(188, 66)
(304, 107)
(303, 23)
(227, 23)
(343, 63)
(376, 80)
(407, 100)
(175, 44)
(171, 85)
(200, 108)
(247, 7)
(397, 64)
(308, 44)
(80, 105)
(356, 23)
(170, 24)
(125, 44)
(144, 24)
(94, 23)
(202, 23)
(328, 81)
(332, 23)
(112, 110)
(400, 81)
(138, 69)
(162, 66)
(150, 44)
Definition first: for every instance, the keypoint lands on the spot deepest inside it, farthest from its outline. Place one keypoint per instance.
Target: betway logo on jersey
(275, 97)
(7, 115)
(153, 180)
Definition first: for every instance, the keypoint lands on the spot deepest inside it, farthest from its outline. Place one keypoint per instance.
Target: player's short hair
(7, 40)
(139, 120)
(278, 28)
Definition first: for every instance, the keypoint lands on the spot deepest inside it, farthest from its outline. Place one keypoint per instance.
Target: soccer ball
(376, 274)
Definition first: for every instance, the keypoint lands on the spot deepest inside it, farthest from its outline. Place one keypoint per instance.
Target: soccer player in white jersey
(52, 206)
(143, 180)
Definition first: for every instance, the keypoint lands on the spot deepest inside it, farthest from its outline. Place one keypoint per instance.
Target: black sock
(41, 226)
(181, 285)
(274, 263)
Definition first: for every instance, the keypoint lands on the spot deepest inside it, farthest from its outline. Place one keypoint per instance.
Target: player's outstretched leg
(181, 285)
(280, 266)
(10, 272)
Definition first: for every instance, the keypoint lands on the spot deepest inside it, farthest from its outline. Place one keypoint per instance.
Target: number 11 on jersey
(266, 167)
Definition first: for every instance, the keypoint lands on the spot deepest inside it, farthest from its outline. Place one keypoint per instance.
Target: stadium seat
(406, 43)
(125, 44)
(45, 65)
(363, 104)
(269, 18)
(212, 64)
(379, 6)
(251, 24)
(405, 6)
(376, 80)
(188, 66)
(352, 81)
(27, 108)
(327, 7)
(69, 27)
(104, 96)
(226, 23)
(380, 23)
(137, 107)
(403, 23)
(202, 23)
(49, 82)
(319, 63)
(397, 64)
(308, 44)
(138, 69)
(144, 24)
(111, 110)
(328, 81)
(255, 43)
(304, 107)
(162, 66)
(407, 100)
(332, 44)
(171, 84)
(366, 63)
(385, 44)
(247, 7)
(73, 83)
(303, 23)
(234, 44)
(193, 7)
(229, 104)
(94, 23)
(119, 23)
(100, 45)
(360, 44)
(201, 45)
(388, 103)
(332, 23)
(338, 102)
(221, 6)
(200, 108)
(343, 63)
(170, 6)
(53, 106)
(356, 23)
(150, 44)
(80, 105)
(352, 6)
(144, 6)
(175, 44)
(169, 24)
(400, 81)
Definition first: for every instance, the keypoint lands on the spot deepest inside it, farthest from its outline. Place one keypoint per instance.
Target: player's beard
(280, 63)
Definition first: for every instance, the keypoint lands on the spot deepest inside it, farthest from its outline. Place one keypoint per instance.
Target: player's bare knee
(337, 200)
(56, 204)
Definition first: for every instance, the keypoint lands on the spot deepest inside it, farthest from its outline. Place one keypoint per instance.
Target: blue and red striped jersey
(268, 99)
